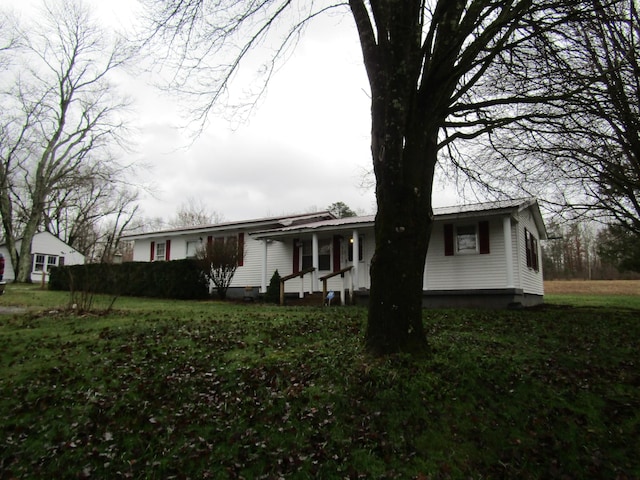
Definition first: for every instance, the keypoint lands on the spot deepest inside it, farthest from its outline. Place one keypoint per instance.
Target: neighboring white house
(47, 251)
(485, 254)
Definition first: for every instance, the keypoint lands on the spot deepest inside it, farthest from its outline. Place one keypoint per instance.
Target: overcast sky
(306, 145)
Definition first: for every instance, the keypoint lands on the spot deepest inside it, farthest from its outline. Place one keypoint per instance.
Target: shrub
(273, 290)
(179, 279)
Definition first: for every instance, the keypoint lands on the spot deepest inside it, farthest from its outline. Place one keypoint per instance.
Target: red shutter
(336, 253)
(448, 239)
(153, 251)
(483, 234)
(296, 256)
(241, 249)
(167, 250)
(209, 239)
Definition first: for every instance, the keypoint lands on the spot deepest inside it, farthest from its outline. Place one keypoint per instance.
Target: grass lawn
(167, 389)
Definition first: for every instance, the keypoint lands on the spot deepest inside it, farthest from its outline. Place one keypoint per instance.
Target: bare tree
(219, 259)
(597, 146)
(193, 213)
(582, 153)
(93, 216)
(426, 61)
(8, 41)
(60, 118)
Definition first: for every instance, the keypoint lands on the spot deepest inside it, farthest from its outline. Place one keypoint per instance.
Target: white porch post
(508, 250)
(263, 283)
(316, 262)
(355, 248)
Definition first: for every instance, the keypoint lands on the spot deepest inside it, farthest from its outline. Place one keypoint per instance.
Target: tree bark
(402, 231)
(404, 134)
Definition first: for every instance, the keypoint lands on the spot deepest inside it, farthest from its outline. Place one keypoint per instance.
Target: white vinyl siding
(470, 271)
(250, 273)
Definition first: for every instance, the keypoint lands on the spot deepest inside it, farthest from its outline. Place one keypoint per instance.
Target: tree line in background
(584, 250)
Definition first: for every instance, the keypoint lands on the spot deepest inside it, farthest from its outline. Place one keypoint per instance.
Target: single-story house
(486, 254)
(47, 251)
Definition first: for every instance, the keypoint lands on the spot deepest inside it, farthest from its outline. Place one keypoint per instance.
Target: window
(39, 263)
(324, 254)
(192, 248)
(160, 251)
(531, 250)
(42, 262)
(466, 239)
(230, 247)
(307, 256)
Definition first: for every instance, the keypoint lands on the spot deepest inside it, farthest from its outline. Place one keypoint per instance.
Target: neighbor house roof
(441, 214)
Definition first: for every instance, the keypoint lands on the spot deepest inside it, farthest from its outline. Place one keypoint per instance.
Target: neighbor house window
(39, 263)
(531, 250)
(465, 239)
(40, 260)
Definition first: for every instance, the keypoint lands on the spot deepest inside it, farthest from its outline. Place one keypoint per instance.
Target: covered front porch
(322, 260)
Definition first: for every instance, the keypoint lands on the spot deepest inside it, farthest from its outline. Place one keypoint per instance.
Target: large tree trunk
(407, 111)
(23, 273)
(6, 211)
(404, 168)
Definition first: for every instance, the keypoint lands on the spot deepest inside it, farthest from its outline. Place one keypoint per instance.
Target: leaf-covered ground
(206, 390)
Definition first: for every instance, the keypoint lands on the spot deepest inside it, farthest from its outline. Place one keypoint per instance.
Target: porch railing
(300, 274)
(342, 272)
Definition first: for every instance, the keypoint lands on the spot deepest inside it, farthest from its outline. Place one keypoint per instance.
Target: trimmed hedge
(179, 279)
